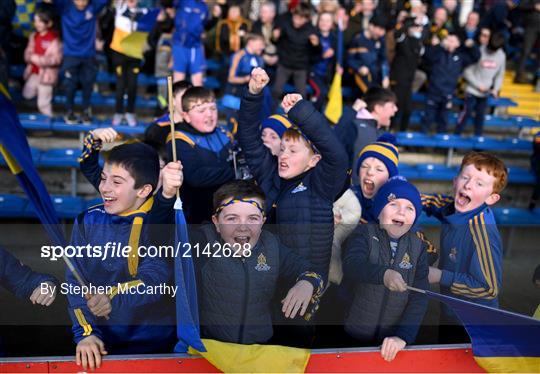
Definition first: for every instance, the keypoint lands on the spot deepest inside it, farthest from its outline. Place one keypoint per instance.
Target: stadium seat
(453, 141)
(60, 157)
(436, 172)
(98, 99)
(415, 139)
(35, 121)
(12, 206)
(65, 206)
(408, 171)
(230, 102)
(516, 217)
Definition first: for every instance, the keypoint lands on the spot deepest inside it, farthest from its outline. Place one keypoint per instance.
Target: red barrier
(418, 360)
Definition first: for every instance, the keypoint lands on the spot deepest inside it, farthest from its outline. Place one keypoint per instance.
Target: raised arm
(260, 160)
(331, 171)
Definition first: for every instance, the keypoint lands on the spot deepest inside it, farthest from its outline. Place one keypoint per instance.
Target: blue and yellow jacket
(370, 53)
(471, 251)
(207, 161)
(241, 65)
(141, 322)
(18, 278)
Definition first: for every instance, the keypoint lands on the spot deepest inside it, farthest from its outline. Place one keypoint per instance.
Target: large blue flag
(502, 341)
(187, 313)
(16, 151)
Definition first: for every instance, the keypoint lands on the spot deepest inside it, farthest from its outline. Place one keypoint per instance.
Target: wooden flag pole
(171, 118)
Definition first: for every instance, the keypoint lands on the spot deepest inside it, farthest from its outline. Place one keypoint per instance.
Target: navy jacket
(207, 162)
(446, 68)
(303, 204)
(18, 278)
(138, 321)
(471, 252)
(371, 54)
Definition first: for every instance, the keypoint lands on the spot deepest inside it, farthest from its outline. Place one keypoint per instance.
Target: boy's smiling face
(295, 157)
(472, 188)
(202, 116)
(117, 189)
(373, 174)
(397, 217)
(240, 223)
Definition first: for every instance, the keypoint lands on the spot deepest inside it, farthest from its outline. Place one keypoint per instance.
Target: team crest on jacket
(453, 255)
(405, 262)
(299, 188)
(261, 263)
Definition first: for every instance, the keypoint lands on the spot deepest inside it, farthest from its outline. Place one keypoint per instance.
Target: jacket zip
(244, 310)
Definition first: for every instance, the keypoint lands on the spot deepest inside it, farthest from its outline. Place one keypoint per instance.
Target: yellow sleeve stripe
(482, 295)
(82, 321)
(181, 136)
(125, 285)
(234, 65)
(483, 252)
(134, 236)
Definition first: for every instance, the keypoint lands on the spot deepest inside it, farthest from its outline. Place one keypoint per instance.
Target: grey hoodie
(487, 72)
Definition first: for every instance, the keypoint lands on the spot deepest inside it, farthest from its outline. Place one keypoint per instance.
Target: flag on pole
(502, 341)
(16, 151)
(334, 108)
(187, 313)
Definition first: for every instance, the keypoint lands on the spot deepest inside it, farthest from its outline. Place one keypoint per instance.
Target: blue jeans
(476, 104)
(77, 70)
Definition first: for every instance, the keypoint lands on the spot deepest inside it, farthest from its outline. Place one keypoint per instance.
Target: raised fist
(259, 79)
(289, 101)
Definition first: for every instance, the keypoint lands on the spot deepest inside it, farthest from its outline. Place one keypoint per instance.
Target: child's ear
(314, 160)
(185, 116)
(215, 222)
(144, 191)
(493, 198)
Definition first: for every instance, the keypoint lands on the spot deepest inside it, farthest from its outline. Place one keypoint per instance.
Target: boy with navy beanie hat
(381, 260)
(376, 162)
(272, 130)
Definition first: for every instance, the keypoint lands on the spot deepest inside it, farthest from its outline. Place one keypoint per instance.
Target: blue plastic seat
(33, 121)
(230, 102)
(453, 141)
(415, 139)
(436, 172)
(12, 206)
(61, 157)
(516, 217)
(65, 206)
(520, 175)
(424, 220)
(408, 171)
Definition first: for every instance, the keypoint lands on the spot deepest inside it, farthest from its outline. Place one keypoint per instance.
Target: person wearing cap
(366, 56)
(382, 259)
(272, 130)
(376, 163)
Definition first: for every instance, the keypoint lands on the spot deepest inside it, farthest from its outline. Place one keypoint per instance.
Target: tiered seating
(416, 139)
(440, 172)
(512, 122)
(504, 216)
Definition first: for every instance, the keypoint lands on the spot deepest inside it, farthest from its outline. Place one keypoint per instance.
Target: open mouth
(244, 239)
(462, 199)
(108, 200)
(398, 222)
(368, 186)
(283, 166)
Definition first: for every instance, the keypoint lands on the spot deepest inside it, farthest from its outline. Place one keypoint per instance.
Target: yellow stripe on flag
(334, 108)
(11, 162)
(255, 358)
(509, 364)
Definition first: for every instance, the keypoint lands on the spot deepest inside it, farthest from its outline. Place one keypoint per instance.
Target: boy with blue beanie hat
(381, 260)
(272, 130)
(376, 163)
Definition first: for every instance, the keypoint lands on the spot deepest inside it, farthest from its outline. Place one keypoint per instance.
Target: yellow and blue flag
(502, 341)
(187, 313)
(16, 151)
(334, 107)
